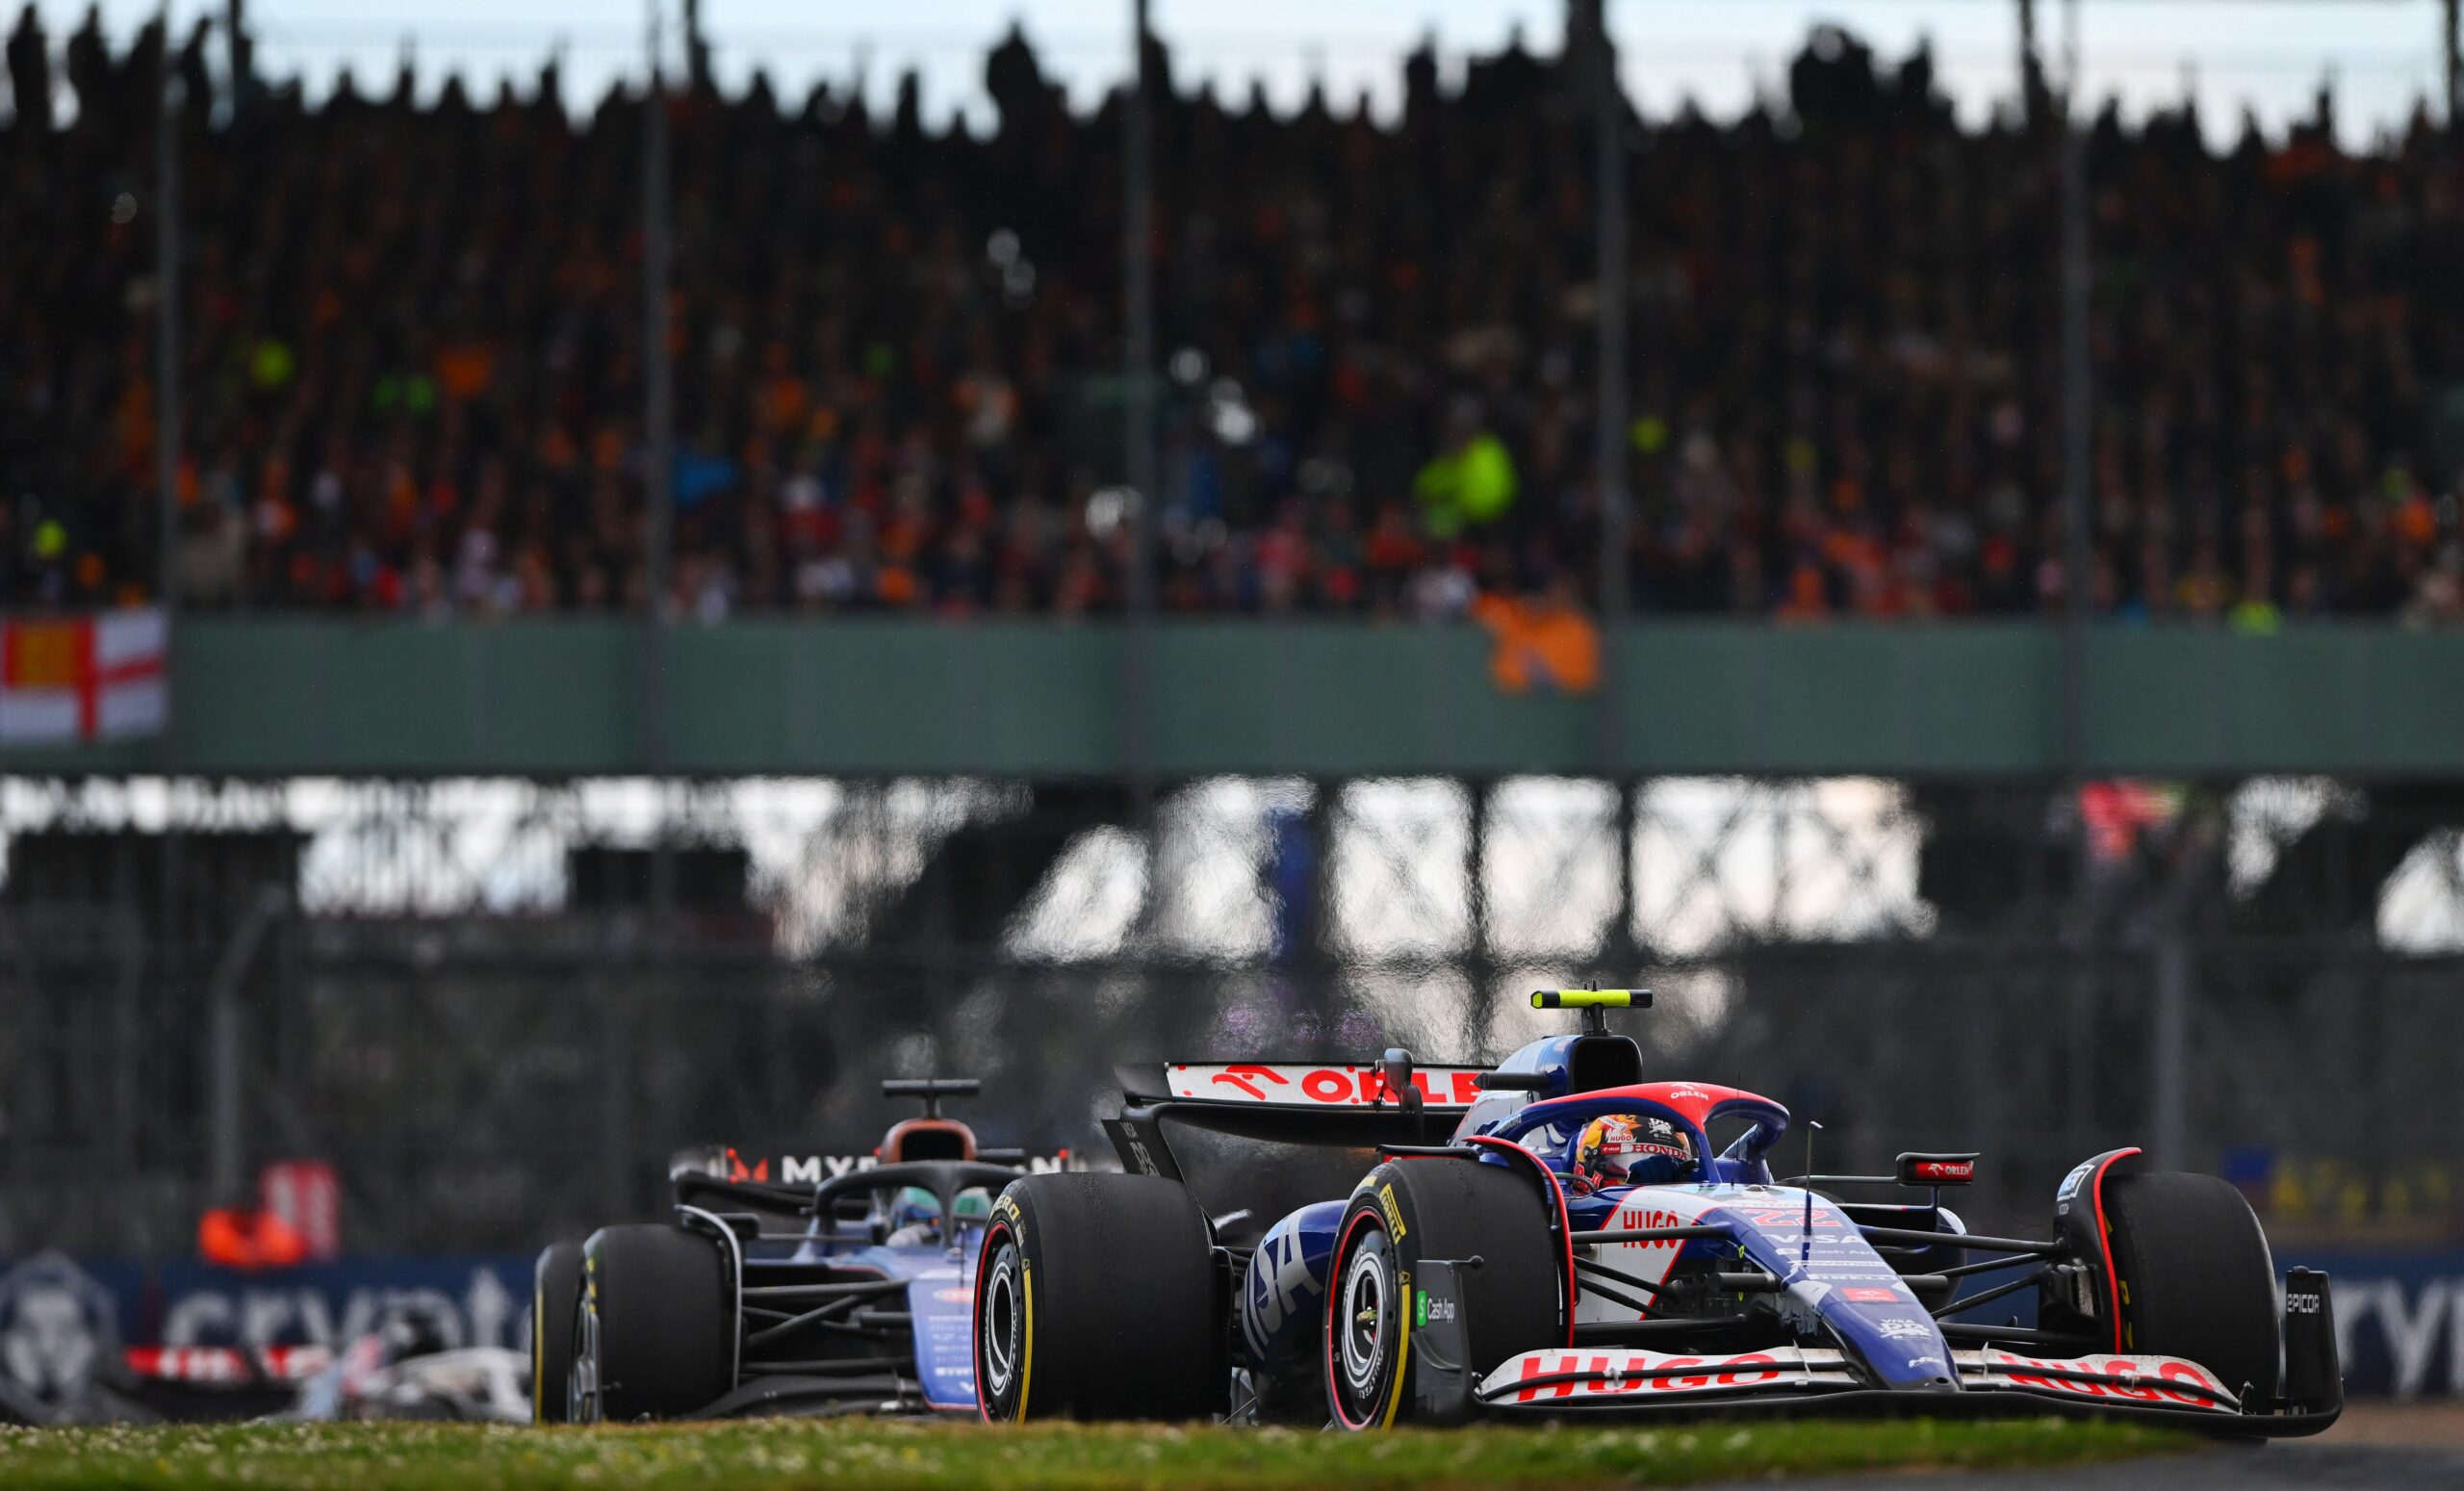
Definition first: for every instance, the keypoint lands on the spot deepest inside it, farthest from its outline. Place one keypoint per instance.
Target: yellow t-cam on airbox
(1591, 998)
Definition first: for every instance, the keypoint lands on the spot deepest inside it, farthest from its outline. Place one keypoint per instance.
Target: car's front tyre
(1409, 1211)
(655, 1329)
(555, 1295)
(2195, 1276)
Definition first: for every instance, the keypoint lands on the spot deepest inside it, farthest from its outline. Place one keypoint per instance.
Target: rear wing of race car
(1342, 1105)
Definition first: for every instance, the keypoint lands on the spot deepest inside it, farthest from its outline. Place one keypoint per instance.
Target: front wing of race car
(1988, 1380)
(1583, 1378)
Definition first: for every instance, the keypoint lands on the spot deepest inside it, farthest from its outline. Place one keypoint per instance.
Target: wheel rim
(1365, 1320)
(1003, 1327)
(581, 1377)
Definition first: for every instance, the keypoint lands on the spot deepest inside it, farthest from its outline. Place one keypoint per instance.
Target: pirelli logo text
(1394, 1213)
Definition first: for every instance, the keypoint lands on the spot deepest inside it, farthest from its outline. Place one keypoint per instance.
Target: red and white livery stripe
(209, 1365)
(1578, 1375)
(1562, 1374)
(2154, 1381)
(1641, 1209)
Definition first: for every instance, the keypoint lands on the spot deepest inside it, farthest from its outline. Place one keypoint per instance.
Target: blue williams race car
(809, 1286)
(1559, 1236)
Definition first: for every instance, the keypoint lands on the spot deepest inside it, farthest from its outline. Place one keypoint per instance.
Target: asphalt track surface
(2373, 1447)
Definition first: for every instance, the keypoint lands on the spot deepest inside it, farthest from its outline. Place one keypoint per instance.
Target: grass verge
(843, 1456)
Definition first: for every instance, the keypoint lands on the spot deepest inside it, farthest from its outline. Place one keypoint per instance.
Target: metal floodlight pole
(226, 1056)
(658, 398)
(2027, 57)
(659, 467)
(168, 105)
(1609, 124)
(1616, 500)
(1137, 312)
(2077, 437)
(2451, 48)
(236, 47)
(1480, 966)
(1137, 415)
(166, 314)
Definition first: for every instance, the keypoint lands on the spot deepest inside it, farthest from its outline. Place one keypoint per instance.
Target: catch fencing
(492, 1084)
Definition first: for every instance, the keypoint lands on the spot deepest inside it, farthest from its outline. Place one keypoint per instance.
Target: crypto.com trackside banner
(62, 1319)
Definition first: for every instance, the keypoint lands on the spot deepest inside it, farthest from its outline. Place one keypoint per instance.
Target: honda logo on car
(1301, 1084)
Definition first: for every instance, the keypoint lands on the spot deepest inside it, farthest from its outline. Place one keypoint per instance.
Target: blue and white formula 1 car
(847, 1295)
(1559, 1236)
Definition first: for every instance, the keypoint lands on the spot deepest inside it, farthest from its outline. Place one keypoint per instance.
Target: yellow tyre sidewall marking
(538, 1354)
(1403, 1348)
(1027, 1366)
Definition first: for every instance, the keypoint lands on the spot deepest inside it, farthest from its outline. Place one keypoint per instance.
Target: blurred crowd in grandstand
(412, 362)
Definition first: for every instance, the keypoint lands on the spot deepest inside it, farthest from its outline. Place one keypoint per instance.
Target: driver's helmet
(914, 1206)
(916, 1213)
(1631, 1149)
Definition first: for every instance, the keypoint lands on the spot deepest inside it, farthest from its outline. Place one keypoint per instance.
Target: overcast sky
(2267, 54)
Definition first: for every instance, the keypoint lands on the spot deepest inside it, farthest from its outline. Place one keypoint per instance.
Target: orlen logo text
(1346, 1087)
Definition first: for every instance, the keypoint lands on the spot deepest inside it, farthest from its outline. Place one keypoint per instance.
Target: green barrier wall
(261, 697)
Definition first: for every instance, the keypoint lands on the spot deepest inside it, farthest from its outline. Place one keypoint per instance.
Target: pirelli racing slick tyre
(1096, 1297)
(556, 1294)
(1422, 1208)
(656, 1330)
(2196, 1278)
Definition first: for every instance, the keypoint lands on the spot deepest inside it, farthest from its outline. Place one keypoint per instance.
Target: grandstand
(1378, 341)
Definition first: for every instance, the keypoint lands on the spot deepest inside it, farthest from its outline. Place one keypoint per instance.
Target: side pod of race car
(1559, 1236)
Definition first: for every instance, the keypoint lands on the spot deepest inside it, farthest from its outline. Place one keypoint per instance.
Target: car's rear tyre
(656, 1324)
(2196, 1279)
(556, 1294)
(1096, 1297)
(1411, 1209)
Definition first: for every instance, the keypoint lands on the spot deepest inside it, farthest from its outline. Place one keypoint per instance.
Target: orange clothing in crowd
(1542, 644)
